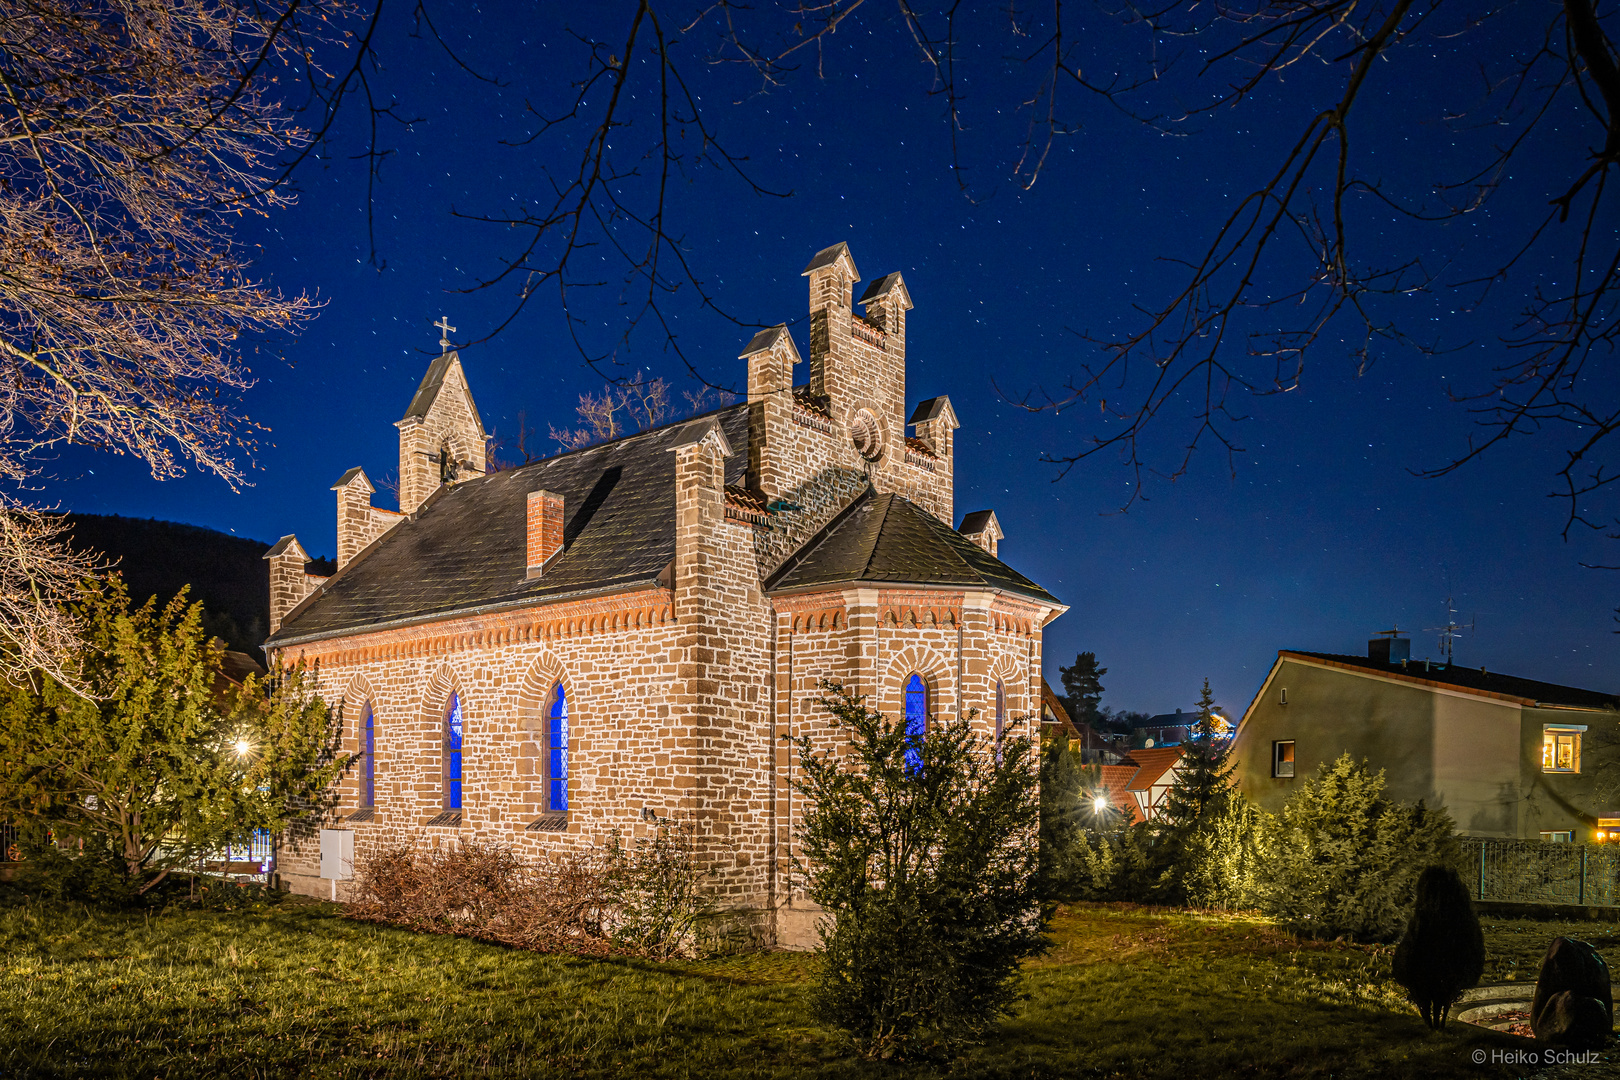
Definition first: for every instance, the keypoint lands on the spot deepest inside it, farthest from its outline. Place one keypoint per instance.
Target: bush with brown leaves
(641, 898)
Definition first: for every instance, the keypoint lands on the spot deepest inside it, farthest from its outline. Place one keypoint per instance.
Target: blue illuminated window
(1001, 710)
(916, 720)
(368, 775)
(452, 754)
(557, 766)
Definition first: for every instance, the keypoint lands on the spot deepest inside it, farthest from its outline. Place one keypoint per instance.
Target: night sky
(1321, 538)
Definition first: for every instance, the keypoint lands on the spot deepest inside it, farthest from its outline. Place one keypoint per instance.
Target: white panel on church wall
(337, 854)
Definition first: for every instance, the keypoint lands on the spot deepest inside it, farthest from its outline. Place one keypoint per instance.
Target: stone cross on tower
(445, 330)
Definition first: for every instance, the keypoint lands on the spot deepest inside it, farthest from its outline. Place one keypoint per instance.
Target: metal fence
(1538, 872)
(8, 843)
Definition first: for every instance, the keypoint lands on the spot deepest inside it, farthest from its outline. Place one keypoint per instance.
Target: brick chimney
(983, 529)
(545, 529)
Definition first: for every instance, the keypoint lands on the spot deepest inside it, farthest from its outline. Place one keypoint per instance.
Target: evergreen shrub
(928, 876)
(1342, 860)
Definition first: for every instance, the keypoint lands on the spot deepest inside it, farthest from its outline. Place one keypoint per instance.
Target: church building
(625, 633)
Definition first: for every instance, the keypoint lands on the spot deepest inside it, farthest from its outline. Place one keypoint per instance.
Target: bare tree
(1290, 270)
(633, 405)
(132, 133)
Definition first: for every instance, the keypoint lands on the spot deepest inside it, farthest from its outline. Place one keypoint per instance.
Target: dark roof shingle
(1475, 679)
(888, 538)
(467, 547)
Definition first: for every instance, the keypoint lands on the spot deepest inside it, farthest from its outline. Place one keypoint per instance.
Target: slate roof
(431, 383)
(1475, 680)
(466, 548)
(889, 538)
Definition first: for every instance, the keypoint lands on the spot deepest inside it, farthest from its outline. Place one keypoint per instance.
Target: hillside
(157, 558)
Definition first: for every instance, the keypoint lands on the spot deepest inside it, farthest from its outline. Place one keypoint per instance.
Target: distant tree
(158, 764)
(928, 876)
(1123, 722)
(625, 408)
(1082, 687)
(1186, 821)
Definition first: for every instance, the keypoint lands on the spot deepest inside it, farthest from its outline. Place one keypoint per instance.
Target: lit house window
(1565, 837)
(1282, 758)
(1561, 748)
(1608, 829)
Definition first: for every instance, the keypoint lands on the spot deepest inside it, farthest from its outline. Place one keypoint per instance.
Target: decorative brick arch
(435, 702)
(535, 690)
(1014, 690)
(535, 754)
(352, 705)
(936, 673)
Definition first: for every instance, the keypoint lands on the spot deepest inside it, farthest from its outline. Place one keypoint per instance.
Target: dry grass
(297, 990)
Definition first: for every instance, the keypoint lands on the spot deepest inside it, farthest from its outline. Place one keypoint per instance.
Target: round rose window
(863, 432)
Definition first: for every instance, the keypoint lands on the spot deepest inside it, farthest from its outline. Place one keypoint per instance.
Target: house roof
(431, 383)
(1054, 703)
(1116, 785)
(466, 548)
(889, 538)
(1169, 719)
(1468, 680)
(1151, 765)
(829, 255)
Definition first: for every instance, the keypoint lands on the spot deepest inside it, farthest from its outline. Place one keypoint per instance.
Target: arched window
(368, 764)
(557, 757)
(452, 754)
(916, 720)
(1001, 711)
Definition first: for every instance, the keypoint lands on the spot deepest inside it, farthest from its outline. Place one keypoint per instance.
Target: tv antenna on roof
(1453, 629)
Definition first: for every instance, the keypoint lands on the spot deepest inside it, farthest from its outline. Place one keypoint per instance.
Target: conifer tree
(1064, 811)
(1082, 687)
(159, 765)
(1185, 822)
(928, 876)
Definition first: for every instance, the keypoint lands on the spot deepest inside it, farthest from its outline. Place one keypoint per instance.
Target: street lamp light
(242, 747)
(1100, 803)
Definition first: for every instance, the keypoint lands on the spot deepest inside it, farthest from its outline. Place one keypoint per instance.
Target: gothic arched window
(1001, 711)
(452, 754)
(916, 720)
(368, 753)
(557, 752)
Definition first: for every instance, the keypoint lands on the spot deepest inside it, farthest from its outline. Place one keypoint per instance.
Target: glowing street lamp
(242, 747)
(1099, 804)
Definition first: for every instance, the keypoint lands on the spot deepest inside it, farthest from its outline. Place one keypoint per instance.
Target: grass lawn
(297, 990)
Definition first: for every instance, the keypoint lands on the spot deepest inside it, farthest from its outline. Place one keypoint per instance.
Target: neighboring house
(1166, 729)
(1093, 746)
(1506, 756)
(1055, 719)
(627, 633)
(1138, 784)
